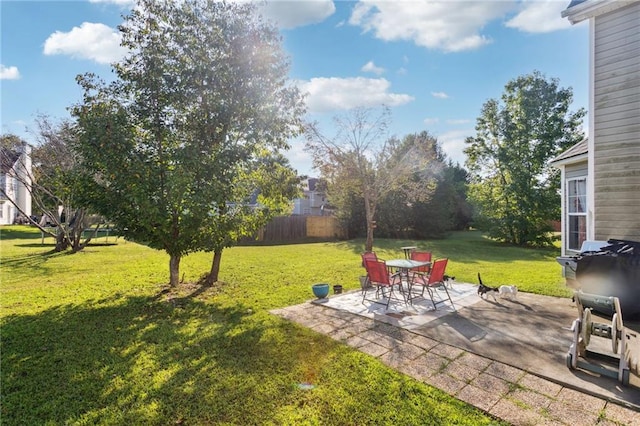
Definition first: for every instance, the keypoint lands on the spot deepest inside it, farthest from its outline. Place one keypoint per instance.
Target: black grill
(613, 270)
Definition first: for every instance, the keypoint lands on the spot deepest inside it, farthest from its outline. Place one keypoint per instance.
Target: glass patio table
(403, 266)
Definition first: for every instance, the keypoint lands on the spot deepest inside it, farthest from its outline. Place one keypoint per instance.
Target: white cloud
(450, 26)
(440, 95)
(9, 73)
(93, 41)
(291, 14)
(332, 93)
(429, 121)
(371, 67)
(453, 145)
(540, 16)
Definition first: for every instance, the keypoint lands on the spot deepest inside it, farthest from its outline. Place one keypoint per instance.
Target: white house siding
(616, 115)
(7, 210)
(23, 170)
(15, 180)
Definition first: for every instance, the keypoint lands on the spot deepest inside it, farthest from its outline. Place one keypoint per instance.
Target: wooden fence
(300, 228)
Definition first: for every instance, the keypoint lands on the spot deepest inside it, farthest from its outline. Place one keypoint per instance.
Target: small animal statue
(485, 289)
(448, 281)
(508, 291)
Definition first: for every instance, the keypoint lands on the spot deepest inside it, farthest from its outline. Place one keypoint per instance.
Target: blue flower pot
(320, 290)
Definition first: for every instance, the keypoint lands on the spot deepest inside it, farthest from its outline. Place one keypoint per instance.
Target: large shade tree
(443, 206)
(174, 146)
(513, 185)
(396, 210)
(360, 161)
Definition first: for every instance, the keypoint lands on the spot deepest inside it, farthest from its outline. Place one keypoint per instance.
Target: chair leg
(435, 306)
(388, 298)
(449, 296)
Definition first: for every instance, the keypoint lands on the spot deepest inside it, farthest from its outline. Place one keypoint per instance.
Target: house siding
(576, 170)
(15, 181)
(616, 116)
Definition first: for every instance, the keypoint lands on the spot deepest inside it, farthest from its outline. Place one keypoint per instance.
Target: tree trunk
(368, 246)
(76, 227)
(369, 214)
(215, 268)
(174, 270)
(62, 241)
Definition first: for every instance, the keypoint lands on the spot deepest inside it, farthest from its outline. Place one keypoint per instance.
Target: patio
(531, 333)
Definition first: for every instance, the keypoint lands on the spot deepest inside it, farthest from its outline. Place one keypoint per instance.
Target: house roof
(579, 10)
(579, 149)
(575, 3)
(312, 183)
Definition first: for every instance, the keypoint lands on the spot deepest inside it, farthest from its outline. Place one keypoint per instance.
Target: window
(576, 213)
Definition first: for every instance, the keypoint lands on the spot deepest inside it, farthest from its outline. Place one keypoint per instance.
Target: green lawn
(95, 337)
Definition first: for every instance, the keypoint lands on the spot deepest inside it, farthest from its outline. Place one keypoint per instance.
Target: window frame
(583, 202)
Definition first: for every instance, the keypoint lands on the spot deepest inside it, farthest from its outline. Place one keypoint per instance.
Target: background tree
(173, 143)
(443, 206)
(52, 185)
(55, 190)
(361, 161)
(514, 188)
(11, 142)
(264, 191)
(456, 186)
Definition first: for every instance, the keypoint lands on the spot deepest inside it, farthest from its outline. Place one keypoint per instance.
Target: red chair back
(368, 255)
(377, 272)
(437, 271)
(422, 256)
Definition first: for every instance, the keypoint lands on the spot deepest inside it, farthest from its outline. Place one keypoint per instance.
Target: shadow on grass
(31, 260)
(19, 232)
(35, 245)
(143, 359)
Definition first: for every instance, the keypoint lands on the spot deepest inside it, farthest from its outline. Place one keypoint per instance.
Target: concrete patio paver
(504, 391)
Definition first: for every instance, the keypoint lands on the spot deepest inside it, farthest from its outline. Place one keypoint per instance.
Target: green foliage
(431, 202)
(177, 146)
(52, 185)
(515, 189)
(10, 141)
(55, 191)
(384, 175)
(102, 341)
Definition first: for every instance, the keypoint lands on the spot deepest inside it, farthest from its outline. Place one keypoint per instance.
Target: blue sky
(433, 63)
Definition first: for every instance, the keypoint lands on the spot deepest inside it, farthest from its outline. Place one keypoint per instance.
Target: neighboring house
(601, 175)
(313, 201)
(15, 179)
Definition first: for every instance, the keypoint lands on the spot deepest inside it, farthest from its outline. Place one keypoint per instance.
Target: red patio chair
(434, 281)
(371, 255)
(366, 284)
(380, 278)
(422, 256)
